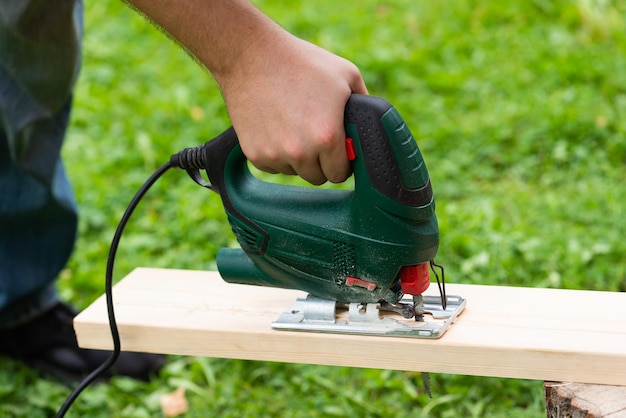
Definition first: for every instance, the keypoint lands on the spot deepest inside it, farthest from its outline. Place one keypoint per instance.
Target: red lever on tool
(350, 149)
(414, 280)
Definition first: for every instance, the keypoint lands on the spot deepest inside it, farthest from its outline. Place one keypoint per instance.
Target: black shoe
(48, 343)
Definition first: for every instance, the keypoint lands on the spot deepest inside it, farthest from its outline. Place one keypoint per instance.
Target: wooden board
(545, 334)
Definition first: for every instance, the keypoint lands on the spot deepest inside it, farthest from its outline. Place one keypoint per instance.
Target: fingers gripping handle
(384, 153)
(386, 161)
(392, 161)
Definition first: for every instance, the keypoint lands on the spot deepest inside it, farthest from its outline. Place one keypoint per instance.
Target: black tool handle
(392, 159)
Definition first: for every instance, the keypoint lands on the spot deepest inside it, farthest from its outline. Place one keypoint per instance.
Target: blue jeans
(40, 42)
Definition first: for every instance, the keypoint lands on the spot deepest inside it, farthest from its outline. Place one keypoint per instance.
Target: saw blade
(426, 384)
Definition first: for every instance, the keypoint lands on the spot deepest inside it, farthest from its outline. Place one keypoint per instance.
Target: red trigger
(350, 149)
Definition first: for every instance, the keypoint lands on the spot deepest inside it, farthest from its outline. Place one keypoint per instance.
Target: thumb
(358, 85)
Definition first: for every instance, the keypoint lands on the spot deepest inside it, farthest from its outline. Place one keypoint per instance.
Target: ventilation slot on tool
(343, 261)
(249, 238)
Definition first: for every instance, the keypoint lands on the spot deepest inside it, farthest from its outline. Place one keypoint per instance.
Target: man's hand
(286, 101)
(285, 96)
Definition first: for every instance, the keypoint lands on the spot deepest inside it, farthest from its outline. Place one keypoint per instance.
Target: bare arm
(285, 96)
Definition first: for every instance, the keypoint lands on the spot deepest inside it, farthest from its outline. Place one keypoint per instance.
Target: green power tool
(352, 251)
(357, 253)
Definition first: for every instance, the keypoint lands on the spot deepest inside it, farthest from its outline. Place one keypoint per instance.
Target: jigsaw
(363, 256)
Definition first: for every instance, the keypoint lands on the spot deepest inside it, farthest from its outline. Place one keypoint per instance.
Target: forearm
(285, 96)
(217, 32)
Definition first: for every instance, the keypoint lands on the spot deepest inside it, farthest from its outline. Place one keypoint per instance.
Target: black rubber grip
(393, 162)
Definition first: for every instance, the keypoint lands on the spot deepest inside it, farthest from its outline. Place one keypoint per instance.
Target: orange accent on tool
(350, 149)
(353, 281)
(414, 280)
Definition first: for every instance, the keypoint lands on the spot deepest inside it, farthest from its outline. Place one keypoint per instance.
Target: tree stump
(578, 400)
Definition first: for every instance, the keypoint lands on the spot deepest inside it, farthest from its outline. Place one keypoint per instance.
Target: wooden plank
(577, 400)
(545, 334)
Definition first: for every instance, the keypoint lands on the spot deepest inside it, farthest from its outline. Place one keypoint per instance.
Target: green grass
(518, 108)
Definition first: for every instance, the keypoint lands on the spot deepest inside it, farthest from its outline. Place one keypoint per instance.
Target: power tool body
(359, 253)
(362, 255)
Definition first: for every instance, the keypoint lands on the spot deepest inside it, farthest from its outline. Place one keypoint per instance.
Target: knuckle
(263, 158)
(325, 137)
(297, 154)
(337, 178)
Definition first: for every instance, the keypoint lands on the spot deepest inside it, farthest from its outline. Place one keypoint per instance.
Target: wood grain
(528, 333)
(576, 400)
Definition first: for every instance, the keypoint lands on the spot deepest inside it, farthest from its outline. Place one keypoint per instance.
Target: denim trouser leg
(39, 63)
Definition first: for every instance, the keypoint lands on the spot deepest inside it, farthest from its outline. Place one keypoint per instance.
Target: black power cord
(109, 291)
(189, 159)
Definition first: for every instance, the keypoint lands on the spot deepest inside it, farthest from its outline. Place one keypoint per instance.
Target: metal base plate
(312, 314)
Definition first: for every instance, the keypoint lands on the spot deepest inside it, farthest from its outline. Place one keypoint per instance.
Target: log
(578, 400)
(527, 333)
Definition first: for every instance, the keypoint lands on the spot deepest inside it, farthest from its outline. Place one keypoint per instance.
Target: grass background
(518, 107)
